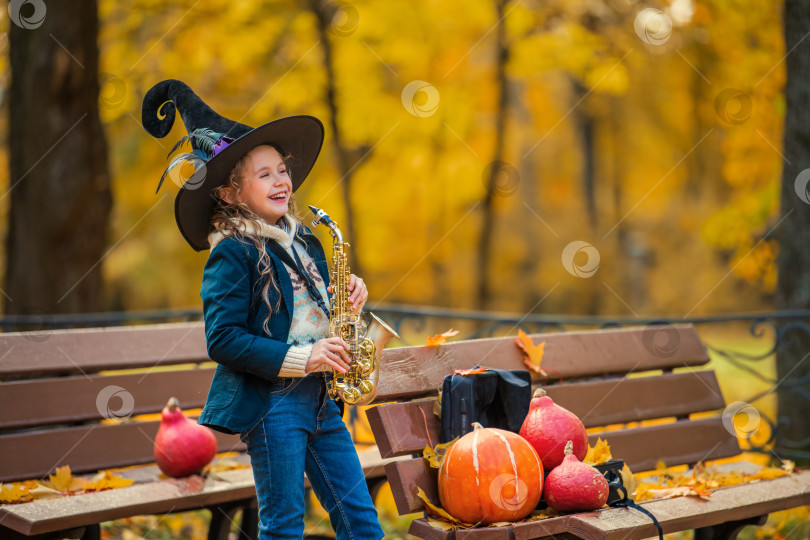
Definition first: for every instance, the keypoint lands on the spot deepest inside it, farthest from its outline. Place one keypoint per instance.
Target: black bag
(495, 398)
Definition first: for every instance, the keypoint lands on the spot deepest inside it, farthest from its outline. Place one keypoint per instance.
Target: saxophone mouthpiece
(320, 216)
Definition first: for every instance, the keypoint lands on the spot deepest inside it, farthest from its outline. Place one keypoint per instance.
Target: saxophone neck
(323, 217)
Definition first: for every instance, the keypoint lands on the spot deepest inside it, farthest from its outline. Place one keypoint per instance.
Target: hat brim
(300, 137)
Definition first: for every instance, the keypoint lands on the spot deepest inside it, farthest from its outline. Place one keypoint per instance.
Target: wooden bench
(601, 384)
(57, 391)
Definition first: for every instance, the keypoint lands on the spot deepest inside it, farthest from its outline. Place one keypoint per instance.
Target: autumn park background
(581, 160)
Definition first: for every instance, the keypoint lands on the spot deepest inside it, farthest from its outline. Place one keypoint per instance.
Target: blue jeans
(303, 432)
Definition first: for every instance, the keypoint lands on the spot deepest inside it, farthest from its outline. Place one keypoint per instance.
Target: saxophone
(366, 340)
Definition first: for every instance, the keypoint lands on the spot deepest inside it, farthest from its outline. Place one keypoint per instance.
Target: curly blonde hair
(226, 217)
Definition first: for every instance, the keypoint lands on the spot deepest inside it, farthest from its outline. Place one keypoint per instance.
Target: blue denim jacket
(249, 359)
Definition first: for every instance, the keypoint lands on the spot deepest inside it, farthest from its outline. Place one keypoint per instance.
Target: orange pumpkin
(490, 475)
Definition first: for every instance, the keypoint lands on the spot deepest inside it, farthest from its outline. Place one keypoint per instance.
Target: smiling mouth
(278, 197)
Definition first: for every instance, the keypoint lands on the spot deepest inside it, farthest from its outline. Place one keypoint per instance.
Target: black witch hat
(217, 144)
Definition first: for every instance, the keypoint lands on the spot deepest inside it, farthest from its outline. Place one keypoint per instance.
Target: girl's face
(266, 185)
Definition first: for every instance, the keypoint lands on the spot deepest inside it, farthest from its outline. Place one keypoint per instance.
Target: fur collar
(259, 228)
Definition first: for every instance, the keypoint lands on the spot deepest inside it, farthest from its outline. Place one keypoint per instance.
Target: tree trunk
(496, 168)
(59, 183)
(793, 289)
(586, 123)
(347, 159)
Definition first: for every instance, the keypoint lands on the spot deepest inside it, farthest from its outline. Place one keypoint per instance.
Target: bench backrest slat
(411, 371)
(82, 352)
(405, 428)
(28, 455)
(74, 399)
(640, 448)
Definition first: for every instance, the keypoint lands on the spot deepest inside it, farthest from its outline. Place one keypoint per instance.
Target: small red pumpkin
(490, 475)
(548, 426)
(182, 447)
(575, 486)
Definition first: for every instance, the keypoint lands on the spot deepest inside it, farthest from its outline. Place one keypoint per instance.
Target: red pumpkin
(548, 427)
(490, 475)
(575, 486)
(182, 447)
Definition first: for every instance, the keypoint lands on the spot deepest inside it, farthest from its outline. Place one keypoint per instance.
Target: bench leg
(728, 530)
(250, 521)
(223, 515)
(374, 485)
(92, 532)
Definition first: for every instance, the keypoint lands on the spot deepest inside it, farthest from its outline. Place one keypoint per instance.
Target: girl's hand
(358, 292)
(330, 351)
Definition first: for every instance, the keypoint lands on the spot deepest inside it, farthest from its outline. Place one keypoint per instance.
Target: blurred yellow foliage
(677, 190)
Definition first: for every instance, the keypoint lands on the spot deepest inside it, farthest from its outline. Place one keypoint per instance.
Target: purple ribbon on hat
(220, 145)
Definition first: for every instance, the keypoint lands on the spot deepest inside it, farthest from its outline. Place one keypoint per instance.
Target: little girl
(266, 321)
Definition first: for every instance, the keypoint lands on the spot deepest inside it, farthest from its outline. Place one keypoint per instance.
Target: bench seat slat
(166, 495)
(484, 533)
(80, 352)
(421, 529)
(73, 399)
(407, 372)
(400, 428)
(86, 448)
(725, 504)
(640, 448)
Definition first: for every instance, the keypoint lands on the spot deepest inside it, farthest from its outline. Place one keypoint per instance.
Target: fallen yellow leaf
(628, 481)
(64, 481)
(599, 453)
(439, 524)
(437, 406)
(438, 511)
(700, 482)
(435, 456)
(682, 491)
(13, 493)
(107, 480)
(534, 353)
(438, 339)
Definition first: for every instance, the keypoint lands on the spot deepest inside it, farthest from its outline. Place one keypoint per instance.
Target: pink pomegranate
(182, 447)
(574, 486)
(548, 426)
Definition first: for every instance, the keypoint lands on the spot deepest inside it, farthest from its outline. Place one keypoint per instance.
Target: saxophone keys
(351, 394)
(366, 386)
